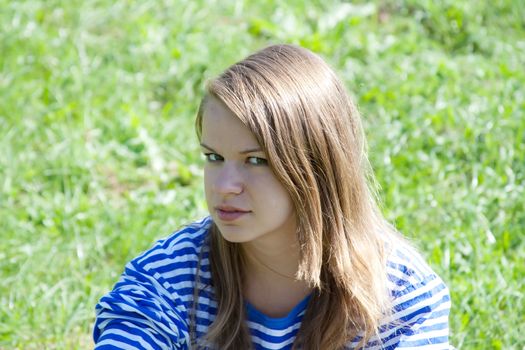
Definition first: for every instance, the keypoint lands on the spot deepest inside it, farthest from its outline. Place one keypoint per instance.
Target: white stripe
(173, 256)
(183, 271)
(188, 232)
(186, 258)
(174, 239)
(419, 291)
(203, 314)
(190, 284)
(441, 346)
(115, 343)
(411, 259)
(158, 301)
(134, 337)
(410, 275)
(398, 273)
(272, 346)
(202, 328)
(425, 334)
(157, 287)
(135, 289)
(152, 332)
(428, 335)
(273, 332)
(203, 301)
(432, 321)
(436, 320)
(165, 328)
(415, 307)
(109, 316)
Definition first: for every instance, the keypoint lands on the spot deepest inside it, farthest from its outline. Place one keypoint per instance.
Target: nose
(228, 180)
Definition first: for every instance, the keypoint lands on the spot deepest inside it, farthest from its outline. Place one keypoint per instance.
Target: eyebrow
(250, 150)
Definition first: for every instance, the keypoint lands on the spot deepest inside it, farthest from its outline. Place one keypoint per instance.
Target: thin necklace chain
(271, 269)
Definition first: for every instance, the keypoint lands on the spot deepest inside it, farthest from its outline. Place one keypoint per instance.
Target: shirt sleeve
(140, 313)
(421, 312)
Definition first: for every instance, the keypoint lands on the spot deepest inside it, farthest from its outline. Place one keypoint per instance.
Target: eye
(256, 161)
(213, 157)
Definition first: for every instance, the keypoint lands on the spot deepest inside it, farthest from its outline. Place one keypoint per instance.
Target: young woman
(295, 253)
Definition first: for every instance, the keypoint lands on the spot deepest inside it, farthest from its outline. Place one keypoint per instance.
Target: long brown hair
(303, 118)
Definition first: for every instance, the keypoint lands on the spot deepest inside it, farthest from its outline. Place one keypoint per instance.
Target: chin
(235, 238)
(234, 234)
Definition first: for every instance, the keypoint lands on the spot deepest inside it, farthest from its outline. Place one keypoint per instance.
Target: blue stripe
(191, 251)
(426, 309)
(278, 323)
(399, 267)
(396, 280)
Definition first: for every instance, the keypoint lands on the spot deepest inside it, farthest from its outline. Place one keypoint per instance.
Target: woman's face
(244, 197)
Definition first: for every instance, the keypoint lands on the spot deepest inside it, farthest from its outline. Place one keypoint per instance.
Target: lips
(229, 213)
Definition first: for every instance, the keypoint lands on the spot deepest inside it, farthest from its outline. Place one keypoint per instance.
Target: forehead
(220, 127)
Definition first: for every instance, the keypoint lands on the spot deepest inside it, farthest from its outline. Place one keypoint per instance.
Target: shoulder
(173, 263)
(182, 245)
(150, 302)
(420, 303)
(408, 272)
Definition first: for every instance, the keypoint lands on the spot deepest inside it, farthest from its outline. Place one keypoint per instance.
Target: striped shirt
(149, 307)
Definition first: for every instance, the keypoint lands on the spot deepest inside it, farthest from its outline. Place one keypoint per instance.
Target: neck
(272, 259)
(270, 270)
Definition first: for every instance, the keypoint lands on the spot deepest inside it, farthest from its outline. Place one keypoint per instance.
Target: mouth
(227, 213)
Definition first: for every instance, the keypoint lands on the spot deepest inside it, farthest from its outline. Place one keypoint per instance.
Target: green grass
(99, 159)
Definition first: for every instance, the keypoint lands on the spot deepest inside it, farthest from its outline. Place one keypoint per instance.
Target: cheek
(208, 181)
(276, 198)
(284, 206)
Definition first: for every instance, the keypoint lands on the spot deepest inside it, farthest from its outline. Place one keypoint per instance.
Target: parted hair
(306, 123)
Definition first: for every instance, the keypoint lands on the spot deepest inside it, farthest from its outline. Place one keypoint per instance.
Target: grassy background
(98, 157)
